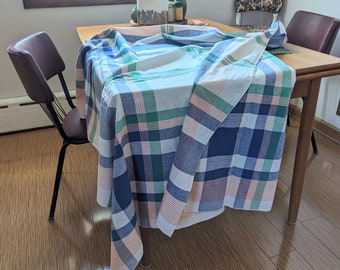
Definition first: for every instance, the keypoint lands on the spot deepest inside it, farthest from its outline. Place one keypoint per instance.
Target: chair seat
(74, 126)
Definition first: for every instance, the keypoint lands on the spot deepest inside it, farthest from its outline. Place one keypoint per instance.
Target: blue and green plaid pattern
(187, 120)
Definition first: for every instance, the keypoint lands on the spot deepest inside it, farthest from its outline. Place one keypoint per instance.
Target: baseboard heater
(20, 113)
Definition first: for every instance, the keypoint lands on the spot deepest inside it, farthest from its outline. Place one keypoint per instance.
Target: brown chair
(269, 6)
(37, 60)
(313, 31)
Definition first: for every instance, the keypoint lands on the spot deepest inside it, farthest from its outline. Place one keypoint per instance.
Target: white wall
(60, 23)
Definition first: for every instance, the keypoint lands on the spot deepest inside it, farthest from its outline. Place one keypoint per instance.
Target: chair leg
(315, 147)
(57, 180)
(146, 240)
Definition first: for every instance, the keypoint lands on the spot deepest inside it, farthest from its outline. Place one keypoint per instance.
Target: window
(72, 3)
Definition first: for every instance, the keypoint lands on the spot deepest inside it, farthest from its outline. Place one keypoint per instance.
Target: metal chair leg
(57, 180)
(315, 147)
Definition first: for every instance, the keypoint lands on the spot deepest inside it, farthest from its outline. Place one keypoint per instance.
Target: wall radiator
(20, 113)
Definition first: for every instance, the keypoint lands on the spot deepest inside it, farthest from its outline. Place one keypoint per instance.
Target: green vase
(184, 4)
(134, 12)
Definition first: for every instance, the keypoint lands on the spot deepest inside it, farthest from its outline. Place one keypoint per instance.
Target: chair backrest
(36, 60)
(313, 31)
(272, 6)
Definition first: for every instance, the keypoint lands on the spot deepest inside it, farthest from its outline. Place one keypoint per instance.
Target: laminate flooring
(79, 238)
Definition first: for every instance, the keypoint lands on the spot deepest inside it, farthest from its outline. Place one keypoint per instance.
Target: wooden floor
(79, 238)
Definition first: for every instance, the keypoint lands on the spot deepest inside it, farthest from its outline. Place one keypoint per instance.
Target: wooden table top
(307, 63)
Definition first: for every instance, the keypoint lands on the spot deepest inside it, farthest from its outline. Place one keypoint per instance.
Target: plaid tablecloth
(187, 120)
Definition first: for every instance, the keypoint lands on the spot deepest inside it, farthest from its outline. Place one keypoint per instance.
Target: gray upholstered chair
(242, 6)
(37, 60)
(313, 31)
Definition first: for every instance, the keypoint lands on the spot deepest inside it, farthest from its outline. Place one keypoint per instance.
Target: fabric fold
(222, 79)
(160, 101)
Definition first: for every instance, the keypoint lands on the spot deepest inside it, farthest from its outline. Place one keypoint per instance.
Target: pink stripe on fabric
(207, 107)
(170, 208)
(133, 244)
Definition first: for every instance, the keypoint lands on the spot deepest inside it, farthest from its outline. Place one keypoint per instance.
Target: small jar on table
(178, 11)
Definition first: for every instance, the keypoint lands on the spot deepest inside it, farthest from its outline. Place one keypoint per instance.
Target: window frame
(72, 3)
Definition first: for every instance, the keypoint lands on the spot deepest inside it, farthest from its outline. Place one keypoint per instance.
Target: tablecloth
(187, 120)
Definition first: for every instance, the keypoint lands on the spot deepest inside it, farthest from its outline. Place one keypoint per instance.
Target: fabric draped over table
(186, 120)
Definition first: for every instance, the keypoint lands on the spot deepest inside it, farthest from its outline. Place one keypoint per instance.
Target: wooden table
(310, 66)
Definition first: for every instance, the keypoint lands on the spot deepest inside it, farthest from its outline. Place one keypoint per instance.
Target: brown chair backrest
(313, 31)
(36, 60)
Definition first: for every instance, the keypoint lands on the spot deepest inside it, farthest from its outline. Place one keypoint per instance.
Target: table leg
(145, 235)
(302, 148)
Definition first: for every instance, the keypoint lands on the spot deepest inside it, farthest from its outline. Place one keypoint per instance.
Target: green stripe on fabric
(212, 58)
(93, 130)
(274, 141)
(260, 41)
(140, 118)
(228, 60)
(278, 51)
(161, 115)
(110, 35)
(136, 76)
(94, 111)
(257, 198)
(212, 99)
(282, 92)
(167, 28)
(196, 52)
(132, 67)
(152, 120)
(235, 34)
(128, 59)
(244, 63)
(281, 112)
(149, 99)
